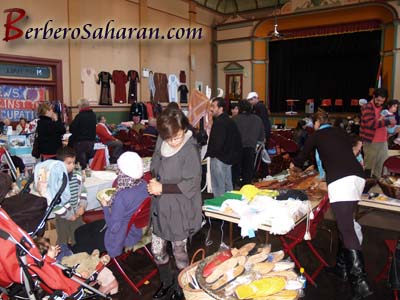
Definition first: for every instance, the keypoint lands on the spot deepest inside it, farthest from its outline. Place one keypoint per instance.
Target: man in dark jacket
(224, 148)
(260, 110)
(251, 132)
(83, 129)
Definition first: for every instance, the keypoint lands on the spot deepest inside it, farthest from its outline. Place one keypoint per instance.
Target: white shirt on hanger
(89, 78)
(173, 84)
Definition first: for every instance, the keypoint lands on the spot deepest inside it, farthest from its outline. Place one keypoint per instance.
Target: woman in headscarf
(130, 192)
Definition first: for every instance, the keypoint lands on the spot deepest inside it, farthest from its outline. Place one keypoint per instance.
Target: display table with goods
(98, 181)
(249, 272)
(292, 210)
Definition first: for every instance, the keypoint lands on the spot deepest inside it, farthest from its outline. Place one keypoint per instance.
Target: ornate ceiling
(229, 7)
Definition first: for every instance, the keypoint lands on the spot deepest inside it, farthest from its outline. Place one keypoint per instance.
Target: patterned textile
(124, 182)
(161, 84)
(104, 79)
(199, 107)
(161, 257)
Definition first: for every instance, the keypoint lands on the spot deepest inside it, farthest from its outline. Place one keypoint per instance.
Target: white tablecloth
(99, 180)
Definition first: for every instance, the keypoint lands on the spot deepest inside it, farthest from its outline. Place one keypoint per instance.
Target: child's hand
(72, 218)
(154, 187)
(80, 211)
(53, 251)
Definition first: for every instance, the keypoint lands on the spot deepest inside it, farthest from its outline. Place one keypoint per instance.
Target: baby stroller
(25, 274)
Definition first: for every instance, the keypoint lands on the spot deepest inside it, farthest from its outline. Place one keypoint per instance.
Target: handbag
(35, 147)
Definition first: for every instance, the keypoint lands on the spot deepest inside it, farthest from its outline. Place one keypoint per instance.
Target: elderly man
(108, 139)
(83, 130)
(260, 110)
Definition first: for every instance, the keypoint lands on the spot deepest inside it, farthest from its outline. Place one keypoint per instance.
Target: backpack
(202, 136)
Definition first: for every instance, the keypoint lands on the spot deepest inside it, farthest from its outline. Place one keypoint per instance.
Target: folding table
(287, 247)
(392, 205)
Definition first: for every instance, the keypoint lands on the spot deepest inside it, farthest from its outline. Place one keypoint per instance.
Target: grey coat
(176, 217)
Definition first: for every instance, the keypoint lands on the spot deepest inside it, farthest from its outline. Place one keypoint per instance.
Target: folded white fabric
(280, 215)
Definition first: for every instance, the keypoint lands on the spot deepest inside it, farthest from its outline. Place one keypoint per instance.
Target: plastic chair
(296, 236)
(141, 220)
(326, 102)
(354, 102)
(391, 166)
(338, 103)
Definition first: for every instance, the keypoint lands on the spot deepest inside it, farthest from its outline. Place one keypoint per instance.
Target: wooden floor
(327, 288)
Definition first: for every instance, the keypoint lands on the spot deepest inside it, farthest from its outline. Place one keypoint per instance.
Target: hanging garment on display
(133, 77)
(149, 108)
(161, 84)
(182, 76)
(120, 79)
(152, 86)
(88, 79)
(104, 79)
(173, 85)
(183, 90)
(138, 109)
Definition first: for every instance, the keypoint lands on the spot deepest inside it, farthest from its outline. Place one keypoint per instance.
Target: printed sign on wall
(20, 101)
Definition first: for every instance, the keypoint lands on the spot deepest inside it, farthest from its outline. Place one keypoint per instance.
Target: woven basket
(183, 279)
(389, 189)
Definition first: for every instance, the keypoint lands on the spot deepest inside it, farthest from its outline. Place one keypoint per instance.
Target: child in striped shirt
(67, 223)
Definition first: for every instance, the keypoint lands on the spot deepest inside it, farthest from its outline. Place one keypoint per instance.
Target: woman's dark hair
(321, 116)
(65, 152)
(43, 109)
(170, 122)
(173, 105)
(355, 139)
(244, 106)
(300, 124)
(390, 103)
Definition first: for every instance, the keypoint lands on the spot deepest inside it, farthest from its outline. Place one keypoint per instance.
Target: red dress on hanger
(120, 79)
